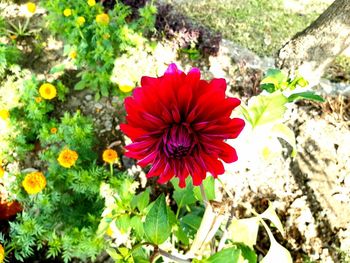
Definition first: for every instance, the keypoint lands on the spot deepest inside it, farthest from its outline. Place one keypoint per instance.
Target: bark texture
(311, 51)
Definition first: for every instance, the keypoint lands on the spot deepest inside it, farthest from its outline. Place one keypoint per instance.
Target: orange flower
(53, 130)
(13, 37)
(31, 7)
(67, 12)
(4, 114)
(2, 253)
(2, 172)
(47, 91)
(34, 182)
(67, 158)
(109, 156)
(102, 19)
(38, 99)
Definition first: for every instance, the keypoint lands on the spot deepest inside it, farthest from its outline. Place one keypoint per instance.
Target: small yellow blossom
(38, 99)
(109, 156)
(4, 114)
(53, 130)
(67, 158)
(109, 231)
(47, 91)
(67, 12)
(2, 253)
(126, 85)
(31, 7)
(102, 19)
(91, 2)
(80, 20)
(13, 37)
(34, 182)
(2, 172)
(73, 54)
(106, 36)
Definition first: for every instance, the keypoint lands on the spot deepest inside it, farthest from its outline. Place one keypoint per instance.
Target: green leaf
(80, 85)
(141, 200)
(123, 223)
(57, 68)
(231, 255)
(283, 131)
(209, 189)
(264, 109)
(157, 226)
(271, 215)
(244, 230)
(192, 221)
(114, 254)
(275, 77)
(137, 225)
(247, 253)
(183, 196)
(308, 95)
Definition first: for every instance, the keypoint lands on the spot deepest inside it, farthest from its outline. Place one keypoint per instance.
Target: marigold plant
(4, 114)
(47, 91)
(67, 158)
(53, 130)
(73, 54)
(34, 182)
(178, 124)
(31, 7)
(102, 19)
(2, 172)
(2, 253)
(67, 12)
(109, 156)
(81, 20)
(91, 2)
(38, 99)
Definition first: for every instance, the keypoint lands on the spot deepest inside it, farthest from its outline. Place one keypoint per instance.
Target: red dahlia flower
(178, 124)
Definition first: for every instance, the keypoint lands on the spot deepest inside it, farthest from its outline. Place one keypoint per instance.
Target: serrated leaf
(231, 255)
(141, 200)
(308, 95)
(283, 131)
(244, 230)
(271, 215)
(264, 109)
(137, 225)
(209, 189)
(157, 226)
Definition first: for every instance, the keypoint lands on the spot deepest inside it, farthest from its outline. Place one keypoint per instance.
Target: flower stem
(204, 196)
(111, 168)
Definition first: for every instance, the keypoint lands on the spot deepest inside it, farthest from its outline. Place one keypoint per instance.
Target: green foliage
(96, 45)
(157, 226)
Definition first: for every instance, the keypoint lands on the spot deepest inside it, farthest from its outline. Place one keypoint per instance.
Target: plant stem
(111, 168)
(204, 196)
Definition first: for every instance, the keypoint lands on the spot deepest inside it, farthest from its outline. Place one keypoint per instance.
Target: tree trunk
(311, 51)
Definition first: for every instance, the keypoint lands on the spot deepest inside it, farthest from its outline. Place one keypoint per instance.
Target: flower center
(178, 141)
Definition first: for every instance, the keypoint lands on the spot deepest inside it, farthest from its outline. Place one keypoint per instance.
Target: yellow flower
(31, 7)
(53, 130)
(67, 158)
(109, 156)
(102, 19)
(80, 20)
(2, 172)
(2, 253)
(38, 99)
(91, 2)
(34, 182)
(13, 37)
(47, 91)
(4, 114)
(67, 12)
(106, 36)
(109, 231)
(126, 85)
(73, 54)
